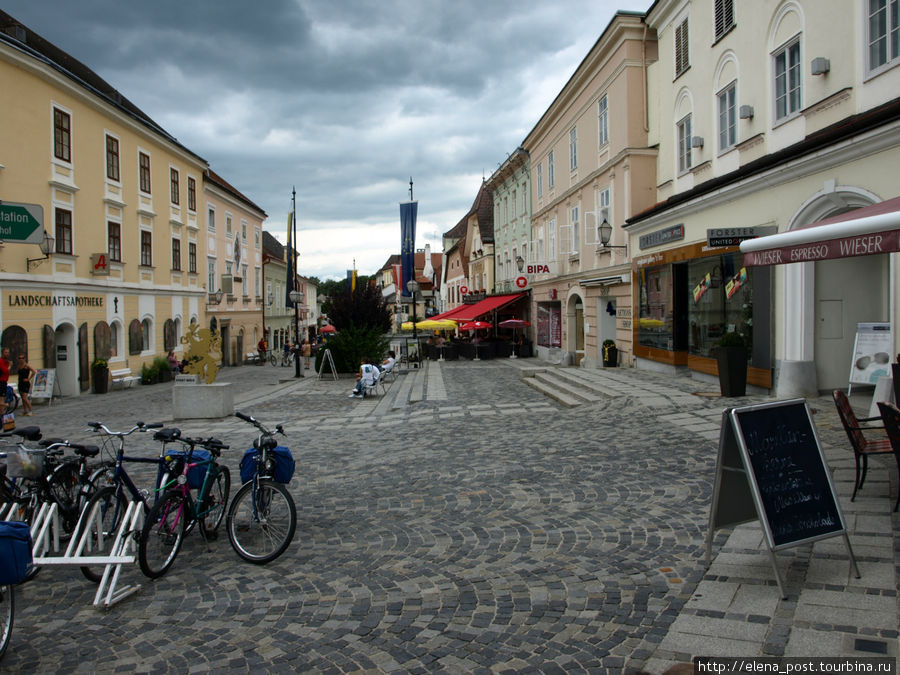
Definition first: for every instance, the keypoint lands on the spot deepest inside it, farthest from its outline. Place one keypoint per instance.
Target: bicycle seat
(50, 441)
(167, 435)
(29, 433)
(85, 450)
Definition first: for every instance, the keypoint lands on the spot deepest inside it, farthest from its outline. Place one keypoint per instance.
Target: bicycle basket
(25, 463)
(15, 552)
(284, 464)
(196, 474)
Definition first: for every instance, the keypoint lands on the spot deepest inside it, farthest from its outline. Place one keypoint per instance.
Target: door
(67, 360)
(847, 291)
(84, 373)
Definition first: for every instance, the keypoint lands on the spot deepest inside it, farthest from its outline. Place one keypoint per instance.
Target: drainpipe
(644, 76)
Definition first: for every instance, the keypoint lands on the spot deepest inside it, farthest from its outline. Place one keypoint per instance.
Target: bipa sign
(537, 268)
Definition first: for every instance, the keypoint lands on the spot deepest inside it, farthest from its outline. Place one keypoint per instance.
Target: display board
(771, 468)
(44, 382)
(871, 353)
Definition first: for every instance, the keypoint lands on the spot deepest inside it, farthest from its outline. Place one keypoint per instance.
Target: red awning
(867, 231)
(472, 312)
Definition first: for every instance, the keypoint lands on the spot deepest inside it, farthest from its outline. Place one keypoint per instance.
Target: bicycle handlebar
(279, 429)
(138, 426)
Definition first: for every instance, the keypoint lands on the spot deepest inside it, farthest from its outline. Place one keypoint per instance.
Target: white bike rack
(45, 535)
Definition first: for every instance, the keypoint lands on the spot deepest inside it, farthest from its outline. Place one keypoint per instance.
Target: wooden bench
(252, 357)
(123, 377)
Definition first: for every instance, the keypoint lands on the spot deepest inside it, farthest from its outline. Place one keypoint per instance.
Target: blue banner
(407, 244)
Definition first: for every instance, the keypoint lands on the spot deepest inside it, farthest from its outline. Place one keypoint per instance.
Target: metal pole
(298, 370)
(415, 330)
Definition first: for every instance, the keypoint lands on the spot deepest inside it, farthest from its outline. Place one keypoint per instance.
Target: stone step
(550, 391)
(581, 378)
(570, 385)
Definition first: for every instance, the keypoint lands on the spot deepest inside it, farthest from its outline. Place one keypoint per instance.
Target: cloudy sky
(344, 100)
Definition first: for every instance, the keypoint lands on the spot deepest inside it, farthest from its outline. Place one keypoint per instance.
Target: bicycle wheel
(163, 533)
(212, 508)
(7, 614)
(272, 359)
(105, 509)
(261, 521)
(65, 486)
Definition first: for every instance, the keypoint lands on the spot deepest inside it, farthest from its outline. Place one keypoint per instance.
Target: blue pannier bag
(284, 464)
(15, 552)
(196, 474)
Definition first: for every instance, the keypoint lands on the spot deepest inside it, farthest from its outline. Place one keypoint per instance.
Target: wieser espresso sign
(31, 300)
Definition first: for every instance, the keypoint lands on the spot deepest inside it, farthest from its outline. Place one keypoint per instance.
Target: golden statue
(204, 352)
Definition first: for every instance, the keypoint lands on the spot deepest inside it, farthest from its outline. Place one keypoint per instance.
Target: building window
(244, 231)
(256, 237)
(540, 180)
(112, 158)
(145, 333)
(227, 225)
(256, 286)
(656, 315)
(684, 144)
(173, 181)
(573, 148)
(176, 254)
(113, 339)
(551, 234)
(245, 281)
(211, 219)
(146, 248)
(884, 32)
(114, 238)
(63, 231)
(787, 80)
(192, 194)
(550, 170)
(211, 283)
(144, 166)
(724, 16)
(62, 135)
(192, 257)
(727, 117)
(603, 119)
(135, 337)
(682, 61)
(574, 244)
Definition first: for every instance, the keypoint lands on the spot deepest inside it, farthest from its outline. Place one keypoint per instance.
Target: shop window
(721, 301)
(549, 325)
(656, 317)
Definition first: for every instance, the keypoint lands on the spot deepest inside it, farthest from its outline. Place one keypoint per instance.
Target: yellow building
(120, 205)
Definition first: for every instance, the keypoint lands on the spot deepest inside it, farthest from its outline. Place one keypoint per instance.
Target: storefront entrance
(67, 359)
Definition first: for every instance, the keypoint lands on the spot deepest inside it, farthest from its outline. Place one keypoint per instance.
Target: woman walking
(26, 375)
(305, 352)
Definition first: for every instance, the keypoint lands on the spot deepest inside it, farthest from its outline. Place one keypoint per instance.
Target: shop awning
(472, 312)
(867, 231)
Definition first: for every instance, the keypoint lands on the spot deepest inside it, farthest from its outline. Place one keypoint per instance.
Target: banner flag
(289, 285)
(407, 244)
(351, 282)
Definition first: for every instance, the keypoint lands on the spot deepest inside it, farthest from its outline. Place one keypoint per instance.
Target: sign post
(771, 468)
(21, 223)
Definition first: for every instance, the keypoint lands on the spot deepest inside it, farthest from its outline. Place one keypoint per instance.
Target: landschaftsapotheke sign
(46, 300)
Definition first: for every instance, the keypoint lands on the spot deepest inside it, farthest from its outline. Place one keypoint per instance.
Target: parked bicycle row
(92, 492)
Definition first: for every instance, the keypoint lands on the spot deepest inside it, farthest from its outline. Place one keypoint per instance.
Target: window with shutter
(681, 48)
(724, 16)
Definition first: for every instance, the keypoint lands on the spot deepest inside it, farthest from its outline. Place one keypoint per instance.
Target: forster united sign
(22, 223)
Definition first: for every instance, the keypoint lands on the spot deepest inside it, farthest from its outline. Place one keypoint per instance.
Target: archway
(575, 328)
(65, 338)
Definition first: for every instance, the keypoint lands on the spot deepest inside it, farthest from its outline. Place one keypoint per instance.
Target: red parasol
(328, 328)
(475, 325)
(514, 323)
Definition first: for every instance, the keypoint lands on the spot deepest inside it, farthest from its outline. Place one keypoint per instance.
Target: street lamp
(296, 298)
(605, 230)
(520, 262)
(413, 287)
(46, 246)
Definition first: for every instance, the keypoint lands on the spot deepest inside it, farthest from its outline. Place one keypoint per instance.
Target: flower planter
(100, 378)
(610, 357)
(732, 362)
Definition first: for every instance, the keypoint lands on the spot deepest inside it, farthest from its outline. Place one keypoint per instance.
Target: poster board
(44, 383)
(871, 353)
(329, 359)
(771, 468)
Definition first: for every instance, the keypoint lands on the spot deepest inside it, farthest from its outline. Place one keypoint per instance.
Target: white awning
(870, 230)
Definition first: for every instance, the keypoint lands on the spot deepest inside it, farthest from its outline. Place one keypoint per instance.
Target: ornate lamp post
(297, 298)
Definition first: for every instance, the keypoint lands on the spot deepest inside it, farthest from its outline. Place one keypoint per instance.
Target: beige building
(590, 163)
(767, 119)
(234, 261)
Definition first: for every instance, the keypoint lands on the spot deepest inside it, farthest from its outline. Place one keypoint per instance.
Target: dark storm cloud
(342, 99)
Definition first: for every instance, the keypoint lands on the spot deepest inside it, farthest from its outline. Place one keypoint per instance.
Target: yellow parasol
(430, 324)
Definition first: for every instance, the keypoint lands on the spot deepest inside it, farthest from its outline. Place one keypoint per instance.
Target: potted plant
(610, 354)
(732, 361)
(149, 373)
(100, 375)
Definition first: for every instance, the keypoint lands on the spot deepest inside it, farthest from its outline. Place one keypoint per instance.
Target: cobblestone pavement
(462, 522)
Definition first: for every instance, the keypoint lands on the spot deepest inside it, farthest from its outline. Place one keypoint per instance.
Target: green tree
(362, 319)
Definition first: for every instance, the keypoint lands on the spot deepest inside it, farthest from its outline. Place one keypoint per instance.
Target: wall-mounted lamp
(46, 246)
(696, 141)
(745, 112)
(605, 232)
(520, 262)
(216, 298)
(820, 65)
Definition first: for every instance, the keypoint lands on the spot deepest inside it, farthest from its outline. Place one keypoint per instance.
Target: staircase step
(580, 377)
(569, 386)
(555, 393)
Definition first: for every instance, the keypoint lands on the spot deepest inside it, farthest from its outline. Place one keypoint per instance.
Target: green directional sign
(22, 223)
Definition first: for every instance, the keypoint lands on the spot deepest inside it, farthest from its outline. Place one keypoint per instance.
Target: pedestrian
(286, 353)
(173, 362)
(367, 377)
(5, 365)
(305, 352)
(262, 348)
(26, 375)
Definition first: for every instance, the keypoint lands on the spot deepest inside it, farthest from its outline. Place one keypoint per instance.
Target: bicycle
(15, 561)
(287, 359)
(262, 518)
(271, 358)
(116, 488)
(169, 519)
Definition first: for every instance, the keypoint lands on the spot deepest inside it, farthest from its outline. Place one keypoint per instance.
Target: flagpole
(298, 368)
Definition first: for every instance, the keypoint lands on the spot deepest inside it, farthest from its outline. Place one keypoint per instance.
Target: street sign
(22, 223)
(521, 282)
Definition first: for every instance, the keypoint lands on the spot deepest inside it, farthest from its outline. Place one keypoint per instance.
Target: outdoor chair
(890, 415)
(862, 446)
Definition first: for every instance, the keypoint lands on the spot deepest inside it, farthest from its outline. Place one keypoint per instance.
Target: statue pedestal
(202, 401)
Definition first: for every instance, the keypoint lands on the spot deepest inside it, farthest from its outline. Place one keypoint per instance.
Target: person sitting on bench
(367, 377)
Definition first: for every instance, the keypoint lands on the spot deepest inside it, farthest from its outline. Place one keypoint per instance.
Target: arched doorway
(575, 328)
(65, 339)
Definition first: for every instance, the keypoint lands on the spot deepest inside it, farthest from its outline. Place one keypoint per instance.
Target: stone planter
(100, 378)
(732, 362)
(610, 357)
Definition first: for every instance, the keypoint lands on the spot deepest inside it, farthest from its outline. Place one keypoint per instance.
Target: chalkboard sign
(788, 472)
(771, 468)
